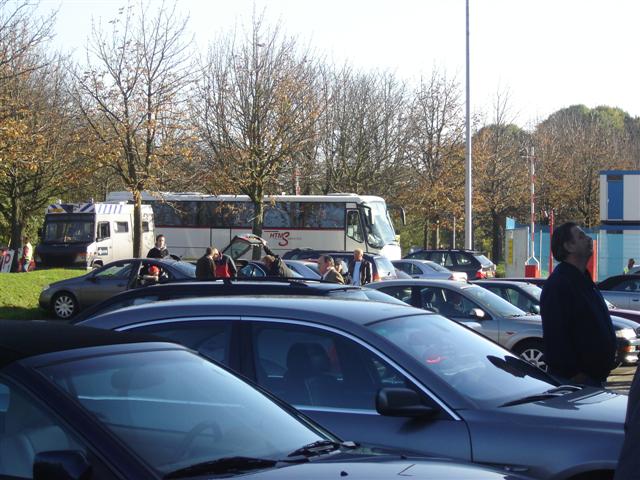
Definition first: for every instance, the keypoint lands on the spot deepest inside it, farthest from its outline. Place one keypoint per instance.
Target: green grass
(19, 292)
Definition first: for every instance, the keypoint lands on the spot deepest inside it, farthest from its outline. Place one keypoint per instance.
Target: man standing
(27, 255)
(204, 267)
(328, 271)
(160, 250)
(275, 266)
(579, 339)
(630, 264)
(360, 269)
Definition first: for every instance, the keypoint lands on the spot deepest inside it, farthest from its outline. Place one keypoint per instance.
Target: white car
(427, 269)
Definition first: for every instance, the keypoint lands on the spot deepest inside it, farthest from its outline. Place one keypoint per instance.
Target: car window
(436, 267)
(28, 428)
(442, 258)
(402, 293)
(250, 270)
(421, 255)
(186, 268)
(463, 259)
(492, 302)
(404, 266)
(518, 299)
(484, 261)
(209, 338)
(449, 303)
(627, 286)
(385, 267)
(306, 366)
(118, 270)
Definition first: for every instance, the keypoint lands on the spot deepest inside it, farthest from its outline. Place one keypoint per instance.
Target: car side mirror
(402, 402)
(61, 465)
(477, 313)
(535, 309)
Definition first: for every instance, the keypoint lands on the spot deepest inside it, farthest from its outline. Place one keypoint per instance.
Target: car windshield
(380, 232)
(186, 268)
(477, 368)
(69, 231)
(364, 294)
(175, 409)
(385, 267)
(435, 266)
(495, 304)
(484, 261)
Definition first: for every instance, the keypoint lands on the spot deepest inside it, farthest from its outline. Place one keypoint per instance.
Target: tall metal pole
(468, 195)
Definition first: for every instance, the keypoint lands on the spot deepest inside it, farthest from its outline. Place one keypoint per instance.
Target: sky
(543, 54)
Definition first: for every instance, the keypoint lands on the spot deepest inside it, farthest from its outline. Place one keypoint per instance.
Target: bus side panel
(186, 243)
(283, 240)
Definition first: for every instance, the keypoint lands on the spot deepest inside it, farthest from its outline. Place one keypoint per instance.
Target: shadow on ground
(22, 313)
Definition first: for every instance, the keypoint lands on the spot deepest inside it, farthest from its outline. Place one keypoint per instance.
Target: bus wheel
(64, 305)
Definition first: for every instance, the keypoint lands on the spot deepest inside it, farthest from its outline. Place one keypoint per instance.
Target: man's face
(357, 256)
(322, 265)
(160, 242)
(581, 244)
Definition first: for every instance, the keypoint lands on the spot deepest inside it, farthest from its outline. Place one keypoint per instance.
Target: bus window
(277, 215)
(318, 214)
(353, 225)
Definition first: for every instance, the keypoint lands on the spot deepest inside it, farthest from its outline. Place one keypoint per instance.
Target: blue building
(619, 232)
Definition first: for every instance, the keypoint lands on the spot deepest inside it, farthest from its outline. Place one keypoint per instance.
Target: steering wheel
(196, 431)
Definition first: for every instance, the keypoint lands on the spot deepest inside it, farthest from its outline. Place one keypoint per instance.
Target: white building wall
(631, 201)
(604, 195)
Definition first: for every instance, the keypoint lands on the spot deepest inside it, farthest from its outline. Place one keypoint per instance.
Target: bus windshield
(380, 232)
(68, 231)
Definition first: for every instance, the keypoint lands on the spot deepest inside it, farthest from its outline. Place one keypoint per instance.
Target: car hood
(69, 281)
(377, 470)
(590, 420)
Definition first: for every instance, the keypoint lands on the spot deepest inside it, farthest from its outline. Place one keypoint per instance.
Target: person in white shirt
(360, 270)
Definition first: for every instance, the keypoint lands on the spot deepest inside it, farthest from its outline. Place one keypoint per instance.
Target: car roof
(328, 311)
(24, 338)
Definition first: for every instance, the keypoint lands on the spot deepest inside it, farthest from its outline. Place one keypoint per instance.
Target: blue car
(399, 377)
(85, 404)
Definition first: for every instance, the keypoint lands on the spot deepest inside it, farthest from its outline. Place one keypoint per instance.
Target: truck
(89, 235)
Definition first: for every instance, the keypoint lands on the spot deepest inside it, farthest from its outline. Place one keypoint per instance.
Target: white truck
(89, 235)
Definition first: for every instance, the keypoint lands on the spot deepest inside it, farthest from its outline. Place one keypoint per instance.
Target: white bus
(193, 221)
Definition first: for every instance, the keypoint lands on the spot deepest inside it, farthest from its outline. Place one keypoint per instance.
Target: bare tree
(132, 97)
(255, 110)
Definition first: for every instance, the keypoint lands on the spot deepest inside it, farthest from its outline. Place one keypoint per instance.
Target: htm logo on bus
(282, 237)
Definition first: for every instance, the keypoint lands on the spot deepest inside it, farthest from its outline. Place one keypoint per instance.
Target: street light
(468, 193)
(532, 266)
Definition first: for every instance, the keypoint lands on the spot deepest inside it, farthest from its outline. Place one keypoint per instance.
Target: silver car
(427, 269)
(622, 290)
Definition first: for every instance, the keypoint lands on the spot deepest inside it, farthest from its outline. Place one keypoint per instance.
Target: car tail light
(376, 277)
(481, 274)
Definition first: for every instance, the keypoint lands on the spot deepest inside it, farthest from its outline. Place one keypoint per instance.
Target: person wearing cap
(152, 276)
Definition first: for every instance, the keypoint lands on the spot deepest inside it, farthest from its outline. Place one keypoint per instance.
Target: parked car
(270, 287)
(427, 269)
(622, 290)
(350, 365)
(526, 297)
(94, 404)
(537, 281)
(382, 268)
(66, 298)
(473, 263)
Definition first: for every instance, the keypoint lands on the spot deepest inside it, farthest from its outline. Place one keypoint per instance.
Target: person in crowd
(224, 266)
(27, 255)
(275, 265)
(630, 264)
(205, 268)
(360, 270)
(629, 461)
(152, 276)
(160, 249)
(326, 265)
(579, 339)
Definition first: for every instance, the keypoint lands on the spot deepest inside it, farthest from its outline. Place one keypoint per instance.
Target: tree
(255, 110)
(132, 97)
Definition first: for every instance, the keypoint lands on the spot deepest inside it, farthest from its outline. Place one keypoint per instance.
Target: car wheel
(533, 352)
(64, 305)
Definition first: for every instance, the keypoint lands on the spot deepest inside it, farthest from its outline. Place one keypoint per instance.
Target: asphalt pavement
(620, 379)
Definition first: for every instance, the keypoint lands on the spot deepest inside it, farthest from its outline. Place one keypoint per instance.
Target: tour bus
(89, 235)
(193, 221)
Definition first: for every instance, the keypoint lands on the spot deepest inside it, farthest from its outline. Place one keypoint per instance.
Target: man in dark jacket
(360, 270)
(160, 250)
(275, 265)
(205, 267)
(579, 339)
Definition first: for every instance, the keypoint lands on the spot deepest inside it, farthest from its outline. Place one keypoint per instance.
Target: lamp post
(532, 266)
(468, 193)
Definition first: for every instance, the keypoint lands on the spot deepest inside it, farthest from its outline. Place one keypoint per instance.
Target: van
(89, 235)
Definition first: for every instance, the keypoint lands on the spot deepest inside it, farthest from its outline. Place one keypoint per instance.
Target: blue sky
(547, 54)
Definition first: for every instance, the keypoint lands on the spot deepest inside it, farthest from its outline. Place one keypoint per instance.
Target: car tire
(533, 352)
(64, 305)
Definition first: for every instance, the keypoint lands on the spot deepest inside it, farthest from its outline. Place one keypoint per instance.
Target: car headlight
(627, 333)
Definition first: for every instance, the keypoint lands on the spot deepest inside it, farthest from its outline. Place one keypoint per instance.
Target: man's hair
(358, 250)
(268, 259)
(209, 251)
(159, 237)
(560, 236)
(327, 259)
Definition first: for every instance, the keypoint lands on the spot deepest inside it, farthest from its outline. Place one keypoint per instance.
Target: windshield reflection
(381, 232)
(69, 231)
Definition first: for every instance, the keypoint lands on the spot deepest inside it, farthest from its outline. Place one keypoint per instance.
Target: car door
(106, 282)
(625, 294)
(334, 378)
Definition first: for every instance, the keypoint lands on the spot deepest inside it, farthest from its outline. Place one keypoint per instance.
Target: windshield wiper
(223, 465)
(317, 448)
(553, 393)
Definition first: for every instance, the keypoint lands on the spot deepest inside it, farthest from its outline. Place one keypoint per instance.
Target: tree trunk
(425, 237)
(137, 223)
(496, 238)
(256, 229)
(17, 231)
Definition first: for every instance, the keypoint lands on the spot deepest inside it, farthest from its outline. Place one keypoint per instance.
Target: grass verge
(19, 292)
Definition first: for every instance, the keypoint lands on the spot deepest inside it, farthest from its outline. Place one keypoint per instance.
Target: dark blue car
(400, 377)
